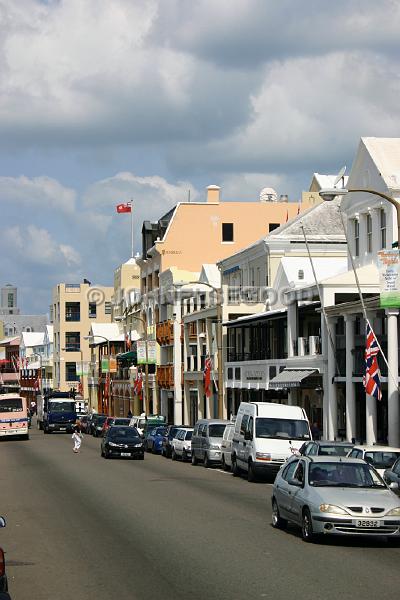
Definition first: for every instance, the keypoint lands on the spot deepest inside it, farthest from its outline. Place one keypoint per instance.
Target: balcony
(165, 376)
(165, 333)
(310, 346)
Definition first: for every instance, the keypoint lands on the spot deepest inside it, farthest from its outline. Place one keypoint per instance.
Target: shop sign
(389, 278)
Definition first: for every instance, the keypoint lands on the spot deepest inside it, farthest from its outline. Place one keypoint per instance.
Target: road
(82, 527)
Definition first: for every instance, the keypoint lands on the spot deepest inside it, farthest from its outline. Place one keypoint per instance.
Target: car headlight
(395, 512)
(331, 508)
(112, 444)
(138, 445)
(263, 456)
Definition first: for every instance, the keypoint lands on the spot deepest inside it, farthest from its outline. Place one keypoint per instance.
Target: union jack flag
(372, 377)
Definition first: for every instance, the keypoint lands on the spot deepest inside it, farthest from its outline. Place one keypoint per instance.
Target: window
(243, 424)
(273, 226)
(107, 308)
(237, 373)
(70, 371)
(299, 473)
(72, 341)
(383, 228)
(356, 237)
(227, 232)
(230, 373)
(289, 470)
(92, 310)
(10, 300)
(72, 311)
(369, 233)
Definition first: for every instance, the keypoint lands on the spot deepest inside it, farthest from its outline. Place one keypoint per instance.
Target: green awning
(131, 355)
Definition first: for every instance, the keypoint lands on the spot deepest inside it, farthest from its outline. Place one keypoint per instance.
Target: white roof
(210, 274)
(385, 152)
(110, 331)
(327, 181)
(376, 448)
(325, 267)
(368, 275)
(32, 338)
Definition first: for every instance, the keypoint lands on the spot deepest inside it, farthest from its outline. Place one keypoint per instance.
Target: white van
(266, 434)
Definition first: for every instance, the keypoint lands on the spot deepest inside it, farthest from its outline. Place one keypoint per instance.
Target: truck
(56, 411)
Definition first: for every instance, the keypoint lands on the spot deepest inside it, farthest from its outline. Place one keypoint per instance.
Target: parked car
(334, 496)
(114, 421)
(226, 446)
(182, 444)
(326, 448)
(153, 439)
(3, 576)
(380, 457)
(145, 422)
(266, 434)
(169, 434)
(122, 441)
(392, 475)
(207, 440)
(97, 424)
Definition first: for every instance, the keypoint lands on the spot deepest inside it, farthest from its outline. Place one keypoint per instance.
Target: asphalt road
(84, 528)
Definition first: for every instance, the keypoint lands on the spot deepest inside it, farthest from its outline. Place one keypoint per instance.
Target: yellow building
(74, 308)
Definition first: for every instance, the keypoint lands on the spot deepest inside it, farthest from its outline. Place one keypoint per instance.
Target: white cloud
(37, 193)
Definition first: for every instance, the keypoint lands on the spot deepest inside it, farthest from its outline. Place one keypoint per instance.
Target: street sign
(389, 278)
(82, 368)
(104, 364)
(151, 352)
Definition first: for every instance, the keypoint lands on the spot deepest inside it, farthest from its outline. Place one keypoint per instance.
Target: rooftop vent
(283, 198)
(268, 195)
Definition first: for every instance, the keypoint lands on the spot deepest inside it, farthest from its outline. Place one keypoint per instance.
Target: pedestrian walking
(77, 437)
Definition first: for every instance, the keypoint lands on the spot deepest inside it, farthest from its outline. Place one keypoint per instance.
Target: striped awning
(289, 378)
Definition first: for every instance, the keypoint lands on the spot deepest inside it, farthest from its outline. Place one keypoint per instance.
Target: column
(371, 424)
(177, 324)
(393, 394)
(291, 328)
(325, 380)
(350, 386)
(332, 392)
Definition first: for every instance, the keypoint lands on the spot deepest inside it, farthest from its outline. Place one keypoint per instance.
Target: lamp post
(91, 339)
(146, 367)
(218, 292)
(392, 360)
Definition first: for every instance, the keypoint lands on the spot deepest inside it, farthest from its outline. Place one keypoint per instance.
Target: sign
(82, 368)
(389, 278)
(104, 364)
(112, 363)
(151, 352)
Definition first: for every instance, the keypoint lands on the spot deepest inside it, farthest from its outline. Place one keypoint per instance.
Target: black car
(96, 424)
(122, 441)
(392, 475)
(169, 435)
(326, 448)
(3, 576)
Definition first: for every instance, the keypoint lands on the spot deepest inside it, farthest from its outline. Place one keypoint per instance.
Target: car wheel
(306, 526)
(173, 454)
(106, 454)
(235, 468)
(251, 474)
(194, 460)
(102, 453)
(184, 457)
(141, 457)
(277, 520)
(224, 465)
(206, 461)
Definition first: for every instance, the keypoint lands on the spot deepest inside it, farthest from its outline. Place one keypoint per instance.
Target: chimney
(213, 193)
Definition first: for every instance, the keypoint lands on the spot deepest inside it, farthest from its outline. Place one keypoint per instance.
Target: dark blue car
(153, 440)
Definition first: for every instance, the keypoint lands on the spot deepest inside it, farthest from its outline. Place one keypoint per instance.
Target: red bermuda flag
(207, 377)
(124, 208)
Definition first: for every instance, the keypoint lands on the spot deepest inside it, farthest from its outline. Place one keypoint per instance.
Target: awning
(290, 378)
(131, 355)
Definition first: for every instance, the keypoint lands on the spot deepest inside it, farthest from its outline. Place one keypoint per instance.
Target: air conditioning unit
(314, 344)
(301, 346)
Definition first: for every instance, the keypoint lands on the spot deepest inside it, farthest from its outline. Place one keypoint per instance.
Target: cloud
(37, 193)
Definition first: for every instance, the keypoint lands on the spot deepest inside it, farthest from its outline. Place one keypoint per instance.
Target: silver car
(334, 496)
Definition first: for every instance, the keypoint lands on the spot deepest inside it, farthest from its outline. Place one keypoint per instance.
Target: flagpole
(131, 205)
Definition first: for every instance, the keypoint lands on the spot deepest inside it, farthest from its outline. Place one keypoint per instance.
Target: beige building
(181, 241)
(74, 308)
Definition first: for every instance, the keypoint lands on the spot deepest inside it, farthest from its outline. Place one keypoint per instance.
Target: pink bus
(13, 416)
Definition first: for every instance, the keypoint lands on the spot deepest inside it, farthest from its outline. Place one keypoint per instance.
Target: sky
(104, 101)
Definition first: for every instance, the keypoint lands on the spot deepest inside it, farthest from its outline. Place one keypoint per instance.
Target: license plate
(126, 454)
(63, 429)
(371, 523)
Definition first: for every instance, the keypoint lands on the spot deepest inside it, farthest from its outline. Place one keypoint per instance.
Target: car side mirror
(2, 522)
(394, 486)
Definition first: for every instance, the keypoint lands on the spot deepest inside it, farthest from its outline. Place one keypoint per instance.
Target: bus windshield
(11, 405)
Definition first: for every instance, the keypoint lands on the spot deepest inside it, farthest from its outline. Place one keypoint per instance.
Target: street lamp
(146, 367)
(218, 292)
(91, 340)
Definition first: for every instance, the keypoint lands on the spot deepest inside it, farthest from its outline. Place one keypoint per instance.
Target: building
(13, 322)
(74, 308)
(174, 249)
(9, 369)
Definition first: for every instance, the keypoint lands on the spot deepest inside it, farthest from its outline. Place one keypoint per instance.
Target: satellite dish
(340, 175)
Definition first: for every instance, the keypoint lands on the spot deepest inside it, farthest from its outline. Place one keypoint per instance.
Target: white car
(380, 457)
(226, 446)
(182, 444)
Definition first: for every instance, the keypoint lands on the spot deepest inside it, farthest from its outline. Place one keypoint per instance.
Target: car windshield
(288, 429)
(121, 421)
(100, 420)
(381, 460)
(11, 405)
(62, 406)
(124, 433)
(216, 430)
(159, 431)
(334, 450)
(353, 475)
